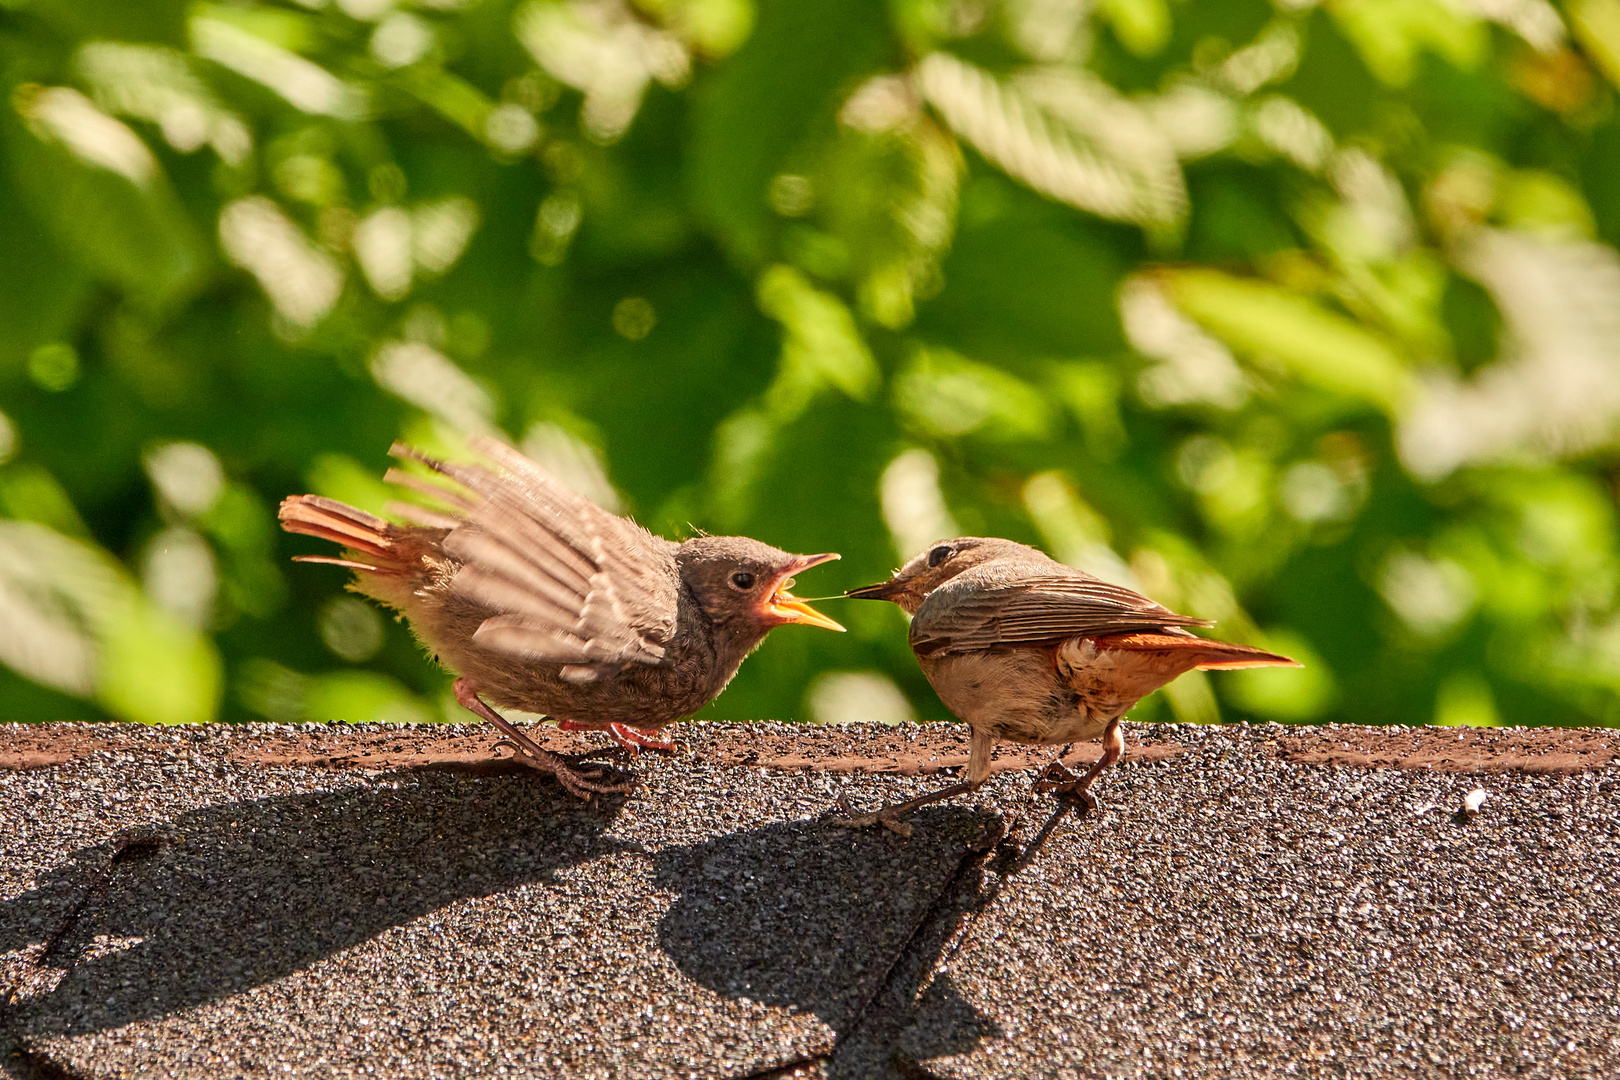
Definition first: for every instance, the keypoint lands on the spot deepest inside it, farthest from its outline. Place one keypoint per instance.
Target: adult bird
(1028, 650)
(542, 601)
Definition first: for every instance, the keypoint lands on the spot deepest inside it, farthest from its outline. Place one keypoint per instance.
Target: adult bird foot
(893, 817)
(1069, 787)
(889, 817)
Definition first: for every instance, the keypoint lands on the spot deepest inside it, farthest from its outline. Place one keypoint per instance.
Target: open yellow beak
(788, 608)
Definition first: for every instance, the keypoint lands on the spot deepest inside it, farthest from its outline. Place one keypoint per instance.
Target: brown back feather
(570, 583)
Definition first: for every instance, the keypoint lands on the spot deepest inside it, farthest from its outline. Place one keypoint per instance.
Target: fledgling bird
(1028, 650)
(540, 600)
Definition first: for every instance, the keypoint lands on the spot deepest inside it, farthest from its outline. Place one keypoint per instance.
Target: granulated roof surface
(334, 900)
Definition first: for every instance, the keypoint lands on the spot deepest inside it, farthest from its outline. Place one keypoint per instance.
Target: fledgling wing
(572, 583)
(997, 605)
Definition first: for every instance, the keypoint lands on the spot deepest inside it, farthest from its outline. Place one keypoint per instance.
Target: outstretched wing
(982, 608)
(570, 583)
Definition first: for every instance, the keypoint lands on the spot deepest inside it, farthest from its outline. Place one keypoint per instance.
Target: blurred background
(1302, 317)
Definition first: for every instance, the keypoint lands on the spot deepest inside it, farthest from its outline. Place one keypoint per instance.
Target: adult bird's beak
(787, 608)
(883, 590)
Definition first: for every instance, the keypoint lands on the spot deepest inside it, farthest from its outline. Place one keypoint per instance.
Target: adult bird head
(940, 562)
(742, 584)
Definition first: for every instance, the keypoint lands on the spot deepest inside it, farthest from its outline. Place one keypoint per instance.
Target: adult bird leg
(532, 753)
(891, 817)
(1057, 778)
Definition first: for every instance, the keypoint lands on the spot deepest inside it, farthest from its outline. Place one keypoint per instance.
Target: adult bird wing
(569, 582)
(984, 608)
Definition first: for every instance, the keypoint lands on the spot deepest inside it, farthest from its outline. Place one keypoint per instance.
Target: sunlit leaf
(822, 345)
(1065, 135)
(98, 187)
(1142, 26)
(1391, 34)
(1305, 339)
(361, 697)
(154, 669)
(1597, 24)
(949, 395)
(71, 618)
(1290, 695)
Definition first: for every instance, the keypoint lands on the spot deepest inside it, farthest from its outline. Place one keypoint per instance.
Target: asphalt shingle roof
(334, 901)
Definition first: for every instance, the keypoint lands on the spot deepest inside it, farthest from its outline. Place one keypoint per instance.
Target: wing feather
(984, 608)
(568, 582)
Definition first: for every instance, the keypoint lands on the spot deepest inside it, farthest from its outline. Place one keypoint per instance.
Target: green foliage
(1302, 320)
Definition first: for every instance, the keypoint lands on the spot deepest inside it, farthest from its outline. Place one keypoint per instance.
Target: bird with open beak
(542, 601)
(1028, 650)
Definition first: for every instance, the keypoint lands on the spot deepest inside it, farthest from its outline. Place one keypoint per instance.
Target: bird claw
(1055, 776)
(1068, 787)
(885, 817)
(583, 784)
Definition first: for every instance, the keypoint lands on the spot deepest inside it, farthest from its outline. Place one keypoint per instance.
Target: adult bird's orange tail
(1209, 655)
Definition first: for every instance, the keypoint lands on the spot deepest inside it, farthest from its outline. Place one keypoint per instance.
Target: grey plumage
(542, 601)
(573, 584)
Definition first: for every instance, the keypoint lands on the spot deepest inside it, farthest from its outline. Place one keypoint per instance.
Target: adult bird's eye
(939, 555)
(743, 580)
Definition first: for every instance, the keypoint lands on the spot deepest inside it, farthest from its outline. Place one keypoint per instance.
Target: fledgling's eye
(939, 555)
(743, 580)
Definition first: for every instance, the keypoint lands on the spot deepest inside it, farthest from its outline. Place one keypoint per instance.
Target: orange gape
(1028, 650)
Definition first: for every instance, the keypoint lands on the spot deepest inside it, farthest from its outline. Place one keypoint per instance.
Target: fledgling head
(912, 583)
(742, 585)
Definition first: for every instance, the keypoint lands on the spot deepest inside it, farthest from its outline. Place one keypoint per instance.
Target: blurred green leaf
(822, 345)
(75, 621)
(361, 697)
(1305, 339)
(1597, 25)
(1290, 695)
(1391, 34)
(1534, 199)
(96, 186)
(1291, 319)
(155, 669)
(340, 477)
(1142, 26)
(28, 492)
(771, 95)
(947, 395)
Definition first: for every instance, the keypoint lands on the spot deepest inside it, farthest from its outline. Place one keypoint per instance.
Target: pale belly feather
(1013, 694)
(1041, 697)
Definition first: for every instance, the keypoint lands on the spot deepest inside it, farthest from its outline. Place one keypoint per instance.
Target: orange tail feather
(328, 519)
(1211, 655)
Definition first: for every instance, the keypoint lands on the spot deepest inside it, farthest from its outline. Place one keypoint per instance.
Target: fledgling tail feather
(356, 530)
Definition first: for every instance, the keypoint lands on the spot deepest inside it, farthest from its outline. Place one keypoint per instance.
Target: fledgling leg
(892, 817)
(532, 753)
(640, 738)
(631, 738)
(1057, 778)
